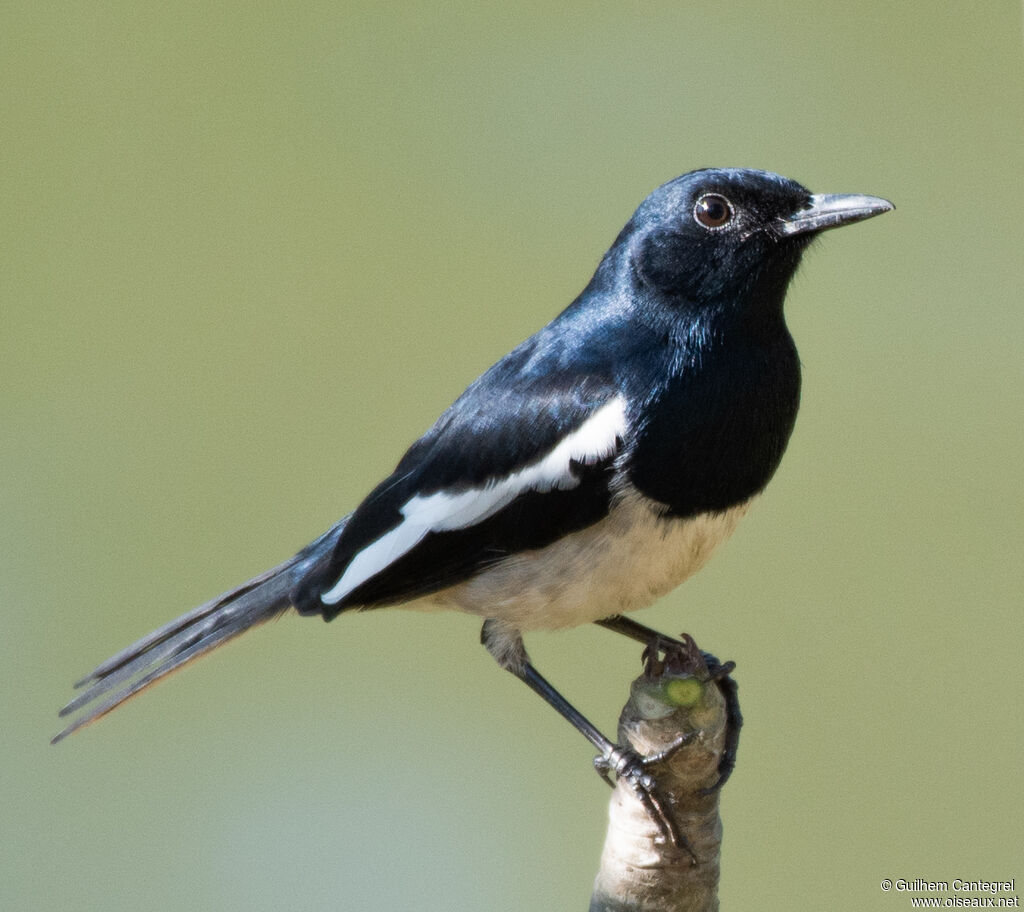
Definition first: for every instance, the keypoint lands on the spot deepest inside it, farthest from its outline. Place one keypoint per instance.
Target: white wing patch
(591, 442)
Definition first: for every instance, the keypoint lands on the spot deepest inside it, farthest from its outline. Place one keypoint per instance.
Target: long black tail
(194, 634)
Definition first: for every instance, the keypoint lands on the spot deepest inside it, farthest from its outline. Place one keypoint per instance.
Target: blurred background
(248, 253)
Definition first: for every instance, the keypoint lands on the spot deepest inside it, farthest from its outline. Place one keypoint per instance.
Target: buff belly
(620, 564)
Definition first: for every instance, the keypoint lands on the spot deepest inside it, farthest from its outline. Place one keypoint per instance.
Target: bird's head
(729, 237)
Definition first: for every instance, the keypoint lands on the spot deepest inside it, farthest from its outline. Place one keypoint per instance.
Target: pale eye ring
(713, 211)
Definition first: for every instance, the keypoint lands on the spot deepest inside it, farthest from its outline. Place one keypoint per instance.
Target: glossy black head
(731, 237)
(705, 263)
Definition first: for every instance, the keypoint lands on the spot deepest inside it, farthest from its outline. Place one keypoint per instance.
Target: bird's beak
(830, 210)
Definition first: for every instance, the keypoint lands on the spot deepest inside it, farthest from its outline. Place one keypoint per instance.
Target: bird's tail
(192, 635)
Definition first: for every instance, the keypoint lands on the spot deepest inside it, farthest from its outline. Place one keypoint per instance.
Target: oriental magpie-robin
(590, 471)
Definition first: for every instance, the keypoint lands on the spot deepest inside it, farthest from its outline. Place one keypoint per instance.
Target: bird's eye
(712, 210)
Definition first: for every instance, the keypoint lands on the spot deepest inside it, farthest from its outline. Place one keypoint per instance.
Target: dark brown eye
(712, 210)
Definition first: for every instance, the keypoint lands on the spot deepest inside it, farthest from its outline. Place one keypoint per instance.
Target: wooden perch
(677, 701)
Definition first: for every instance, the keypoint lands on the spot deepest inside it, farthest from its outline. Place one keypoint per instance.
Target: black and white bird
(587, 473)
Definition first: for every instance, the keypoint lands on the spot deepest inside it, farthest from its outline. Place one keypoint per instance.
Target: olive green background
(248, 252)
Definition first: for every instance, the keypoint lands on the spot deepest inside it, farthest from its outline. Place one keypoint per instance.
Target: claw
(633, 769)
(602, 766)
(720, 673)
(668, 752)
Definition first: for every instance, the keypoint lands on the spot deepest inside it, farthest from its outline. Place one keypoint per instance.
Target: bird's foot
(720, 673)
(635, 771)
(666, 654)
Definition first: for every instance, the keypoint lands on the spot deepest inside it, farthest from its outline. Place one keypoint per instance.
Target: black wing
(523, 457)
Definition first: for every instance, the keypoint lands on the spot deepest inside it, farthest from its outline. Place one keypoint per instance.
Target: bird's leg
(636, 631)
(720, 674)
(510, 653)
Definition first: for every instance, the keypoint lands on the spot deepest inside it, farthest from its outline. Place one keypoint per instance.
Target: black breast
(716, 434)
